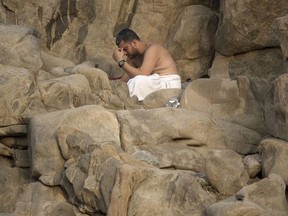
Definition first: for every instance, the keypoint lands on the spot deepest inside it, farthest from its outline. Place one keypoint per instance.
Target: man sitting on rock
(148, 66)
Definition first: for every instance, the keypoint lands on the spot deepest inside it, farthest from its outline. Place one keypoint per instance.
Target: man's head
(129, 41)
(127, 36)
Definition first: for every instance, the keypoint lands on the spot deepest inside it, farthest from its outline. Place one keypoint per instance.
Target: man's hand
(118, 54)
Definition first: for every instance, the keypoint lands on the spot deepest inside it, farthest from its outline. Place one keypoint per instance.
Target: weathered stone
(121, 96)
(17, 142)
(282, 34)
(235, 208)
(146, 156)
(12, 180)
(276, 108)
(269, 193)
(20, 96)
(65, 92)
(167, 125)
(89, 179)
(247, 25)
(13, 130)
(252, 164)
(172, 192)
(193, 52)
(274, 156)
(81, 148)
(238, 138)
(58, 136)
(225, 99)
(100, 186)
(180, 156)
(51, 61)
(20, 47)
(165, 12)
(225, 171)
(75, 30)
(21, 158)
(36, 195)
(160, 98)
(261, 67)
(220, 67)
(5, 151)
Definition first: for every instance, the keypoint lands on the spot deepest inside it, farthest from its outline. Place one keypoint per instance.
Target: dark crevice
(61, 19)
(10, 15)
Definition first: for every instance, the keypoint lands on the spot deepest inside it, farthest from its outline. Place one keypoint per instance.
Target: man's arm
(148, 64)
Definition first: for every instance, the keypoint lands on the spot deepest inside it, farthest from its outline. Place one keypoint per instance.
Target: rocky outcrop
(72, 142)
(255, 200)
(247, 25)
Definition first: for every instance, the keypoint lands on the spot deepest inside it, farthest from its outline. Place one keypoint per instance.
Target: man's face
(129, 48)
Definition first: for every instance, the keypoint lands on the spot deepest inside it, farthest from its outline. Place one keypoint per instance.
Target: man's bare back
(164, 64)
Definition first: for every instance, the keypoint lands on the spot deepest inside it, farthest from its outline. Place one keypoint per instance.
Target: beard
(133, 54)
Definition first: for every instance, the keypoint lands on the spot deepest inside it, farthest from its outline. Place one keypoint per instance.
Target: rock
(15, 130)
(99, 186)
(5, 151)
(17, 142)
(20, 96)
(276, 108)
(282, 34)
(113, 155)
(65, 92)
(167, 125)
(261, 67)
(160, 98)
(244, 27)
(177, 156)
(50, 61)
(269, 193)
(252, 164)
(273, 153)
(193, 53)
(12, 179)
(236, 208)
(21, 158)
(20, 47)
(58, 136)
(240, 139)
(225, 99)
(36, 195)
(225, 171)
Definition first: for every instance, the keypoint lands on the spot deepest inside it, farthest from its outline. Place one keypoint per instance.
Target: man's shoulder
(155, 46)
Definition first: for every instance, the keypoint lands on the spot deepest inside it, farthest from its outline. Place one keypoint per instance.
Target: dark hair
(126, 35)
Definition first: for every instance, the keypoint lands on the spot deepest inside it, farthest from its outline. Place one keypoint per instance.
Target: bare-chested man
(148, 66)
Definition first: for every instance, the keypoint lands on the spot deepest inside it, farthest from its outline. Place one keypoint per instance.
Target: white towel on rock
(143, 85)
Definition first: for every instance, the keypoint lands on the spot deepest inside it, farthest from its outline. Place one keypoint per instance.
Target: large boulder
(274, 156)
(20, 96)
(20, 47)
(265, 197)
(225, 99)
(276, 109)
(57, 136)
(248, 25)
(192, 52)
(180, 126)
(111, 181)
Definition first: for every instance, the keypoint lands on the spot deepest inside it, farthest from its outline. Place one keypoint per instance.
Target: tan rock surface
(104, 153)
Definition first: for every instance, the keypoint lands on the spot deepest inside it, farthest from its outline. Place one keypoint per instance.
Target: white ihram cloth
(143, 85)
